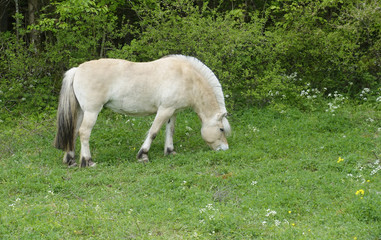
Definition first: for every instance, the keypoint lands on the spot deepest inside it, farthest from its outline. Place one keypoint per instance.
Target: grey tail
(67, 114)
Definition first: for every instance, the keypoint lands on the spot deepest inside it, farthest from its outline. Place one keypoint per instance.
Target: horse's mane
(209, 76)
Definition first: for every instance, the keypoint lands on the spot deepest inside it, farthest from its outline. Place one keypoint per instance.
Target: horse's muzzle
(222, 147)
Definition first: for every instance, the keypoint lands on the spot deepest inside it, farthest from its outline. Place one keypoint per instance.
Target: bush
(331, 44)
(26, 77)
(239, 52)
(263, 56)
(254, 56)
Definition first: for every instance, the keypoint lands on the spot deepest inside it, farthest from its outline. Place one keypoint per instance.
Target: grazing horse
(164, 87)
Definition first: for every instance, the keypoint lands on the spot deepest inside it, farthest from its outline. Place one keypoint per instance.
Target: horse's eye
(221, 129)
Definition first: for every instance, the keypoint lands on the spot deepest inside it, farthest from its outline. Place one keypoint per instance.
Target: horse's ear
(222, 115)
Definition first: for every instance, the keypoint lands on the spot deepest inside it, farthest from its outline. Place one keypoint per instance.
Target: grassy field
(287, 175)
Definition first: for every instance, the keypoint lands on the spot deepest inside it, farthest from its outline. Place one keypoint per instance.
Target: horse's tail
(67, 114)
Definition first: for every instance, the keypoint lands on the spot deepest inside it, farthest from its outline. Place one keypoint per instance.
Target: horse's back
(133, 87)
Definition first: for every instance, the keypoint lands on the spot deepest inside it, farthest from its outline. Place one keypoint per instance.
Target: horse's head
(215, 131)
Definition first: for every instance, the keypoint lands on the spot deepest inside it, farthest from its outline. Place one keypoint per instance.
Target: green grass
(281, 179)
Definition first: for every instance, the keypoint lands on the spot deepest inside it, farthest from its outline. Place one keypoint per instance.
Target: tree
(32, 9)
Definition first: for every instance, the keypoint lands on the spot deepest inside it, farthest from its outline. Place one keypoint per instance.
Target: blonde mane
(209, 76)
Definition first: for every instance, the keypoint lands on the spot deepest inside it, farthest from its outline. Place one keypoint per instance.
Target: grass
(287, 175)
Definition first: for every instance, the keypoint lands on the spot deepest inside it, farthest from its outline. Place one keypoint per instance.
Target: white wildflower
(270, 212)
(374, 171)
(130, 211)
(210, 207)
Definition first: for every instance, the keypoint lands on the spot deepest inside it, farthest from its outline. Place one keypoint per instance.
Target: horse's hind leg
(162, 116)
(169, 131)
(89, 119)
(69, 157)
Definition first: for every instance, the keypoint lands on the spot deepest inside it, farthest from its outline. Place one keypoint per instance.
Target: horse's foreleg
(162, 116)
(87, 125)
(169, 131)
(69, 157)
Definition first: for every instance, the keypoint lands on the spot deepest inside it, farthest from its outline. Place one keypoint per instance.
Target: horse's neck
(205, 104)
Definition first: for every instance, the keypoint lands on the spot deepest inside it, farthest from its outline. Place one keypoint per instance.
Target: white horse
(163, 87)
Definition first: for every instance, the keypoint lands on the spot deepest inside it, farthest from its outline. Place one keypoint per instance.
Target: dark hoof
(169, 152)
(69, 160)
(72, 164)
(91, 163)
(142, 156)
(87, 163)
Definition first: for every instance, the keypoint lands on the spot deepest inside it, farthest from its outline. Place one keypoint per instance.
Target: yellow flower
(340, 160)
(360, 192)
(289, 212)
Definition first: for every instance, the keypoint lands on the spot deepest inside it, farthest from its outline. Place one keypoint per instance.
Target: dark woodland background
(263, 51)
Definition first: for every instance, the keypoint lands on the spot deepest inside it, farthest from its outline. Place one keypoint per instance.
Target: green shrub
(26, 78)
(330, 44)
(262, 56)
(239, 53)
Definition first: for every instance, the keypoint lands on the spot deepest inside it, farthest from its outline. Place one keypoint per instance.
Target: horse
(164, 86)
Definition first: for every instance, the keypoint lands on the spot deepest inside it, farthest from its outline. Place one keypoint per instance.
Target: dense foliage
(262, 51)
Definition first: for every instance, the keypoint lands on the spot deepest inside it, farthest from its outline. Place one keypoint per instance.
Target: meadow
(302, 85)
(288, 174)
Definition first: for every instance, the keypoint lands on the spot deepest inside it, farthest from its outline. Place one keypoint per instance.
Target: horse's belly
(132, 108)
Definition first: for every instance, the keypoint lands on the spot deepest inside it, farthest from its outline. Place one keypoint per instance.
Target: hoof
(143, 158)
(73, 164)
(91, 163)
(172, 153)
(169, 152)
(87, 163)
(69, 160)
